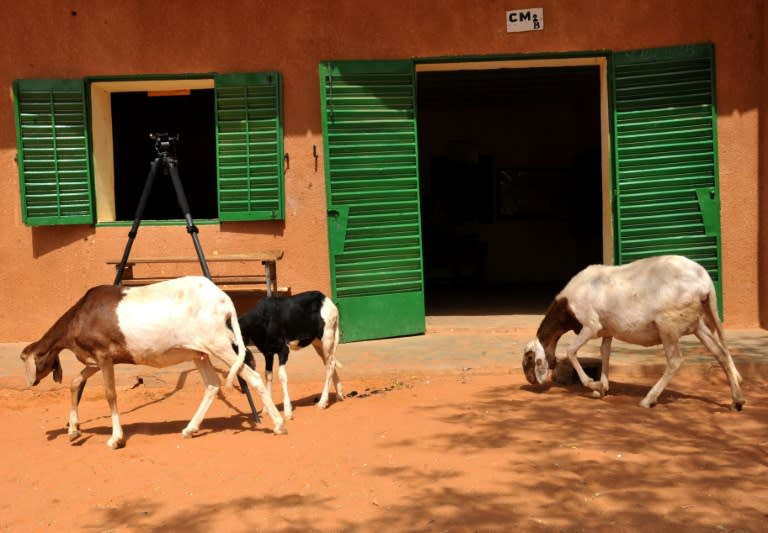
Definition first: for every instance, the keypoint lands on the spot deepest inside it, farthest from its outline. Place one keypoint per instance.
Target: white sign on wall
(531, 19)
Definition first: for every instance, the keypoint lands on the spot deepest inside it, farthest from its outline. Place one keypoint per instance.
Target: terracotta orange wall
(44, 270)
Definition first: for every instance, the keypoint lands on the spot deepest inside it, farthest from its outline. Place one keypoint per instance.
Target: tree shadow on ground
(140, 514)
(579, 463)
(563, 462)
(618, 388)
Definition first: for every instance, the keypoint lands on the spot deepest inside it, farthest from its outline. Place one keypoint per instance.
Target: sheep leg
(283, 376)
(269, 361)
(211, 380)
(723, 356)
(287, 406)
(76, 389)
(337, 381)
(674, 360)
(326, 348)
(117, 439)
(581, 339)
(605, 357)
(332, 344)
(254, 380)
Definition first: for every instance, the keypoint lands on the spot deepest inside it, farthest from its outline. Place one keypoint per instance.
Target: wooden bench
(228, 281)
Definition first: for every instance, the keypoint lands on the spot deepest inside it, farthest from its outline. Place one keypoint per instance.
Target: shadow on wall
(47, 239)
(271, 228)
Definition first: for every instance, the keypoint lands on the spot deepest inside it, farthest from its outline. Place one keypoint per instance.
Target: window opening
(188, 113)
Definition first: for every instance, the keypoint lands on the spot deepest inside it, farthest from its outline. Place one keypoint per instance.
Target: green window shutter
(665, 153)
(53, 156)
(249, 146)
(372, 184)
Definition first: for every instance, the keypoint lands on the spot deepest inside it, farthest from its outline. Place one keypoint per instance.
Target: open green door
(667, 196)
(372, 190)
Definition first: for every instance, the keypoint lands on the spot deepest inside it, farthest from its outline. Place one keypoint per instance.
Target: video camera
(165, 144)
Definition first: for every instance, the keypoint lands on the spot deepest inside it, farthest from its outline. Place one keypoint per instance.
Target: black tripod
(165, 146)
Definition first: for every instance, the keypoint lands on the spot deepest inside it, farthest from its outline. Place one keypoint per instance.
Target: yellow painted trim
(103, 155)
(511, 63)
(127, 86)
(605, 150)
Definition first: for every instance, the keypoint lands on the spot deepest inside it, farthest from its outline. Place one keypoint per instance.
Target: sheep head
(38, 363)
(536, 363)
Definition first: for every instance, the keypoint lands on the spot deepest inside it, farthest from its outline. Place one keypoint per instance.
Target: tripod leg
(184, 205)
(137, 219)
(192, 230)
(244, 388)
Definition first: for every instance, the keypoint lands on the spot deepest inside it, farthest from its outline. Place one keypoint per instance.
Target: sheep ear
(58, 373)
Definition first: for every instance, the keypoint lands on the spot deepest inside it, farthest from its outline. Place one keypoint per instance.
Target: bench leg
(270, 276)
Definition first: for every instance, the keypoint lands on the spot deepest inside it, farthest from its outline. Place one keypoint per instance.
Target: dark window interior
(135, 115)
(510, 173)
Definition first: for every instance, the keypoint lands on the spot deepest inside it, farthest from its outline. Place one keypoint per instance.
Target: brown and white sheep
(159, 325)
(647, 302)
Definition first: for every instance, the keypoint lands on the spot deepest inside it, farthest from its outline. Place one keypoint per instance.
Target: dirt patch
(475, 449)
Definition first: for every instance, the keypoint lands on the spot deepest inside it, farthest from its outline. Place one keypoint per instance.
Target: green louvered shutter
(372, 182)
(665, 153)
(249, 146)
(53, 159)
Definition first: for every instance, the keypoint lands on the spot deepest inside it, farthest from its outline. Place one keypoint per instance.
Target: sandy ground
(438, 439)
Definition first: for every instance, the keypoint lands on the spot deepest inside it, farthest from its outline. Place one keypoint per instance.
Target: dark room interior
(510, 173)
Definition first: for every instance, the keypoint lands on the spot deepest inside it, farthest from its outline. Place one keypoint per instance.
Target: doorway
(514, 182)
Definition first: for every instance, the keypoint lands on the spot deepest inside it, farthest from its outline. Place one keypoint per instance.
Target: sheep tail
(336, 362)
(238, 341)
(714, 317)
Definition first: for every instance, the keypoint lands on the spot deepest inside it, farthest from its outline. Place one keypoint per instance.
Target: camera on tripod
(165, 144)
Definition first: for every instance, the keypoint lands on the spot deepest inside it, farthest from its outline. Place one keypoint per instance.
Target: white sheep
(159, 325)
(647, 302)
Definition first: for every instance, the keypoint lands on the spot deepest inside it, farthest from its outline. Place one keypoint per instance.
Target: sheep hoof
(737, 406)
(288, 416)
(280, 430)
(115, 443)
(597, 394)
(188, 433)
(596, 385)
(73, 435)
(647, 404)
